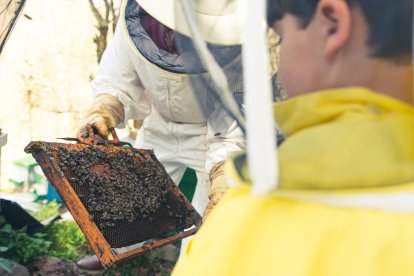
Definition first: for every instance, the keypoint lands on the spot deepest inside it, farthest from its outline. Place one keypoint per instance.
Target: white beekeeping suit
(184, 121)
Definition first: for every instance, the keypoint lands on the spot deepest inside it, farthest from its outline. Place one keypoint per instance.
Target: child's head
(336, 43)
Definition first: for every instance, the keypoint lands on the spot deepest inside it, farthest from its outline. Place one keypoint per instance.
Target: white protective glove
(105, 112)
(218, 186)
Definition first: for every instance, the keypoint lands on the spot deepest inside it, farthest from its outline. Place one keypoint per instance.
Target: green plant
(145, 264)
(68, 241)
(128, 268)
(47, 211)
(20, 246)
(5, 264)
(63, 240)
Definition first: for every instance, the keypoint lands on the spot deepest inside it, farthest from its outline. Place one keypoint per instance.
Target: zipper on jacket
(169, 104)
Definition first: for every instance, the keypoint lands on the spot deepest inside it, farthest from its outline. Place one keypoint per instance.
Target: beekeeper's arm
(119, 93)
(224, 138)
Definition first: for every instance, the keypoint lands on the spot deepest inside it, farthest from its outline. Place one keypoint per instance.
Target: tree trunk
(101, 41)
(105, 19)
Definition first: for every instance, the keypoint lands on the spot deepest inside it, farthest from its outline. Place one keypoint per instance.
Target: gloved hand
(105, 112)
(218, 187)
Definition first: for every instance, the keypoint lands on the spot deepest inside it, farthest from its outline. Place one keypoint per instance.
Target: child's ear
(334, 17)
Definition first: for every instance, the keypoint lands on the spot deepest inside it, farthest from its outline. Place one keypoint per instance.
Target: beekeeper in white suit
(151, 72)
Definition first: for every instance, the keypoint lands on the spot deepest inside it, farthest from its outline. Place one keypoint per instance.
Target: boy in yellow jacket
(345, 202)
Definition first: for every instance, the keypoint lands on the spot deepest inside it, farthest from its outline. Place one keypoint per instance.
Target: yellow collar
(320, 107)
(345, 138)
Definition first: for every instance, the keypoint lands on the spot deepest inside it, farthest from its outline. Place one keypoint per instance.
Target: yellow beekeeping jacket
(345, 205)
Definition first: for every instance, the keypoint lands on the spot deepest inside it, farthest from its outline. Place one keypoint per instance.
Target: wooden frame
(106, 255)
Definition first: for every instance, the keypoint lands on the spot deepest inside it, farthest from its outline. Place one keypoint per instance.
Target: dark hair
(390, 22)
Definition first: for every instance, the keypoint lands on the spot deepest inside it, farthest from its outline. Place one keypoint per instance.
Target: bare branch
(95, 11)
(105, 18)
(107, 10)
(115, 15)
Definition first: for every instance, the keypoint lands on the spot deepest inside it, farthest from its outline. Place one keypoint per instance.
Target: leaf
(3, 249)
(49, 210)
(6, 265)
(39, 235)
(6, 229)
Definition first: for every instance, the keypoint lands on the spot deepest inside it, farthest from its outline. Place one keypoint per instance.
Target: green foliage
(6, 265)
(145, 264)
(48, 210)
(63, 240)
(128, 268)
(68, 241)
(19, 246)
(148, 263)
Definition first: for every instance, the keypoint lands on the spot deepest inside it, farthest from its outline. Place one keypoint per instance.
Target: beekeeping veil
(9, 13)
(213, 32)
